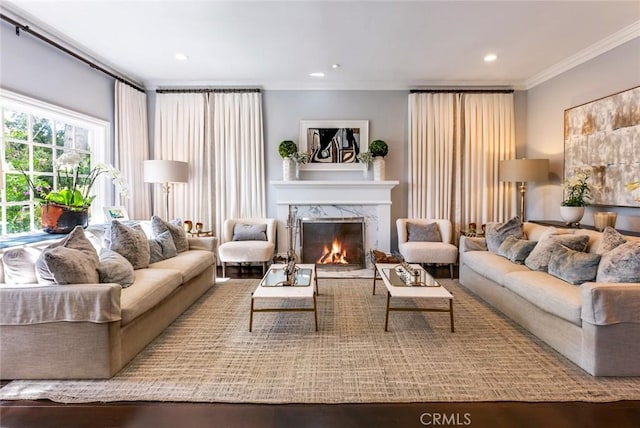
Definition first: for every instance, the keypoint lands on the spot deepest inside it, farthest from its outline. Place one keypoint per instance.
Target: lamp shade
(165, 171)
(524, 170)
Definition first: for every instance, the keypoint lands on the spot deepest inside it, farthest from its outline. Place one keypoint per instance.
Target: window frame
(99, 149)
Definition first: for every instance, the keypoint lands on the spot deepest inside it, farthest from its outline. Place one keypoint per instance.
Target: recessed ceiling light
(490, 57)
(335, 66)
(316, 74)
(181, 57)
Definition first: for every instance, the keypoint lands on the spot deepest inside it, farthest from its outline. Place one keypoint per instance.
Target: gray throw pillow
(20, 265)
(115, 268)
(429, 232)
(539, 257)
(516, 249)
(249, 232)
(611, 239)
(496, 233)
(131, 243)
(162, 247)
(71, 261)
(63, 265)
(176, 229)
(574, 267)
(622, 264)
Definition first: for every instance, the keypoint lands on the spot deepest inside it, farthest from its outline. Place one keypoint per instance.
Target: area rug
(208, 355)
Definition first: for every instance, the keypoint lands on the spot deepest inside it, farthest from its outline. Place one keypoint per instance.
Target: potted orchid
(67, 205)
(578, 193)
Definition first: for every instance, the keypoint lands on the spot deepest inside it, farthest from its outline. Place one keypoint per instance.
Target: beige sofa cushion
(547, 292)
(490, 265)
(428, 252)
(151, 286)
(190, 263)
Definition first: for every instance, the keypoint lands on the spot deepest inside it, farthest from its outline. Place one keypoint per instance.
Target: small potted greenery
(578, 193)
(378, 150)
(365, 158)
(288, 150)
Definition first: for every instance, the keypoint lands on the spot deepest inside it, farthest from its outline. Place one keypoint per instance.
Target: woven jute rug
(208, 355)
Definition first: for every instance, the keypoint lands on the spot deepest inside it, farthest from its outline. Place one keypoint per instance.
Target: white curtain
(132, 148)
(456, 142)
(238, 154)
(181, 134)
(220, 135)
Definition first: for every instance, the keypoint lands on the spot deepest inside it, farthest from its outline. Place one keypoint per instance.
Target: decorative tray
(278, 277)
(400, 277)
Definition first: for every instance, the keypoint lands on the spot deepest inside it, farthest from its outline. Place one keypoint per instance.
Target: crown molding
(613, 41)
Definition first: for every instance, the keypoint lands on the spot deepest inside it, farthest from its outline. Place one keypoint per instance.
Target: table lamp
(166, 172)
(523, 170)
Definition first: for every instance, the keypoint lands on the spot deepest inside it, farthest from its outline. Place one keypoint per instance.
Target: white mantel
(338, 198)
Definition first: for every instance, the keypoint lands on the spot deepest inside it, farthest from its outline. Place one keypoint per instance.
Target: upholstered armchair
(427, 241)
(250, 240)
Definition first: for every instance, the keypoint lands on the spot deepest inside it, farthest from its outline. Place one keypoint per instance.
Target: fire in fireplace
(333, 242)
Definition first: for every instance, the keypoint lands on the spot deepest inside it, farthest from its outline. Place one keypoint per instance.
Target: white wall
(611, 72)
(31, 67)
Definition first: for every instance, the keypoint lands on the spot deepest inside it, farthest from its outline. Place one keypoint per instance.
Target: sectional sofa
(596, 325)
(92, 330)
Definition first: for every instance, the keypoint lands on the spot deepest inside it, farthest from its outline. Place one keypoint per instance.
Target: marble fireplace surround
(336, 198)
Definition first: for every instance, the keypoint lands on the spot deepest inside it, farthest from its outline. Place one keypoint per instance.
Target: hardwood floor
(45, 414)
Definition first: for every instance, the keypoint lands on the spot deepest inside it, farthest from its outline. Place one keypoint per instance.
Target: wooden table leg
(315, 311)
(451, 314)
(251, 314)
(386, 319)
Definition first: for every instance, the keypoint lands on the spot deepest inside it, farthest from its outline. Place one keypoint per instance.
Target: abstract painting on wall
(334, 144)
(602, 138)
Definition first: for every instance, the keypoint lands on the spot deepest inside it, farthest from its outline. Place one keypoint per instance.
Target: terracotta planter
(59, 219)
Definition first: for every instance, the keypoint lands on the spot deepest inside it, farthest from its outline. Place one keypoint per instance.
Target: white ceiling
(379, 45)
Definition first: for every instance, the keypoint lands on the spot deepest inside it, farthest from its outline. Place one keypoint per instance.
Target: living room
(597, 66)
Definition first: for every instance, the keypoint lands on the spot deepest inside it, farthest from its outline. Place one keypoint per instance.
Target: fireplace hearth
(336, 243)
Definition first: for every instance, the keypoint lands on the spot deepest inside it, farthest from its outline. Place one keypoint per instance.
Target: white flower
(69, 161)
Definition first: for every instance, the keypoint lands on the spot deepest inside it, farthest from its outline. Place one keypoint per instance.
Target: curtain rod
(25, 28)
(461, 91)
(207, 90)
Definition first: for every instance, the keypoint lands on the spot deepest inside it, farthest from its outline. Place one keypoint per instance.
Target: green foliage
(578, 191)
(378, 148)
(287, 148)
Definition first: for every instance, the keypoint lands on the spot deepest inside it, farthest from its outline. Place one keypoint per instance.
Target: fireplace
(333, 242)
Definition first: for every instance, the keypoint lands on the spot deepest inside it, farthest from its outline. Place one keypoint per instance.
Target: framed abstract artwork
(602, 139)
(116, 213)
(333, 144)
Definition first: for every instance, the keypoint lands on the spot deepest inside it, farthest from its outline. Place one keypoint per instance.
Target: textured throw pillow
(516, 249)
(496, 233)
(20, 265)
(176, 229)
(62, 265)
(539, 257)
(131, 243)
(622, 264)
(249, 232)
(162, 247)
(429, 232)
(611, 239)
(574, 267)
(72, 261)
(115, 268)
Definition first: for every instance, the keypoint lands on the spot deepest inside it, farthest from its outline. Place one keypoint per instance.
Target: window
(34, 134)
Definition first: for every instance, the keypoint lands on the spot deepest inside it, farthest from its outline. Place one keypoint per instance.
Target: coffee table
(432, 290)
(269, 288)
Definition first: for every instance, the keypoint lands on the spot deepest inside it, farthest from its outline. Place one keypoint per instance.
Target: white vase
(378, 168)
(287, 169)
(366, 171)
(572, 215)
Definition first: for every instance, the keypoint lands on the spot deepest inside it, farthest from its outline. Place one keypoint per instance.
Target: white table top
(412, 291)
(292, 292)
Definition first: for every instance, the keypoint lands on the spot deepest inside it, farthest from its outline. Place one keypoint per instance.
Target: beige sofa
(595, 325)
(87, 331)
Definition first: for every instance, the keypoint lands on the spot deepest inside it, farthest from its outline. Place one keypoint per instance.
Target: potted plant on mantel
(378, 150)
(287, 150)
(578, 192)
